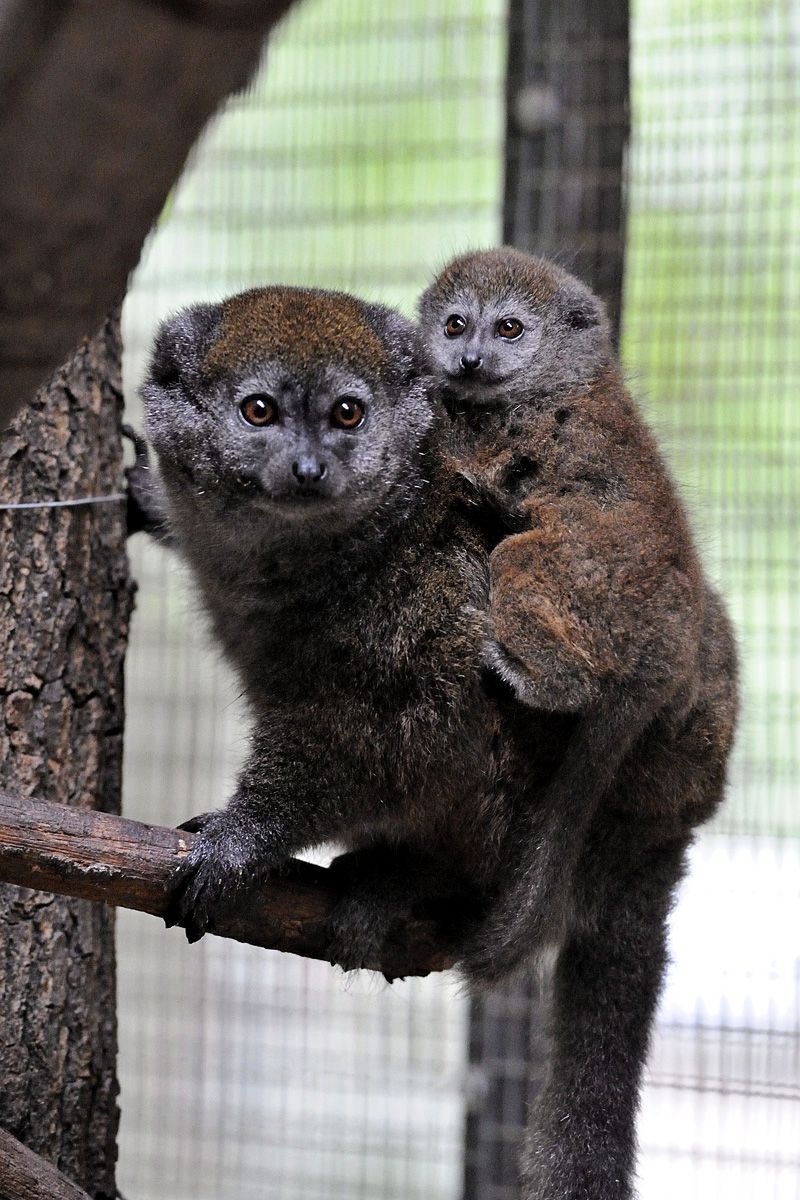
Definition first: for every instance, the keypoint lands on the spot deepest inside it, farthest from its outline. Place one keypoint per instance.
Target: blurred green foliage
(712, 306)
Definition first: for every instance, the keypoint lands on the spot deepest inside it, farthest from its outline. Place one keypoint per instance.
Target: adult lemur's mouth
(304, 495)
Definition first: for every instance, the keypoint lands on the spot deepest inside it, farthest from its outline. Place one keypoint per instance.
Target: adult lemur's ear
(181, 346)
(580, 308)
(402, 340)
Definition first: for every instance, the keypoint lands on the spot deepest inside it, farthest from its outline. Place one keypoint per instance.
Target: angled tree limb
(99, 856)
(26, 1176)
(100, 103)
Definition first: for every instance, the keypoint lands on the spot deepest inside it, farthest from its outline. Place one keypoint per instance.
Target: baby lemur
(480, 654)
(598, 607)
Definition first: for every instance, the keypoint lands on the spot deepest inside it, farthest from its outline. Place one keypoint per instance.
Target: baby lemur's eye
(347, 413)
(510, 328)
(258, 409)
(455, 325)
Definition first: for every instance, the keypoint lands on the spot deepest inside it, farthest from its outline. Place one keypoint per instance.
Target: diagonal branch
(26, 1176)
(99, 856)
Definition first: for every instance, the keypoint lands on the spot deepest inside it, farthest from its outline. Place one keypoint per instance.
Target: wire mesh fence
(370, 147)
(711, 333)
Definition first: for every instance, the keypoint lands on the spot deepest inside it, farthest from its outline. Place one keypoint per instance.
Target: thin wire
(67, 503)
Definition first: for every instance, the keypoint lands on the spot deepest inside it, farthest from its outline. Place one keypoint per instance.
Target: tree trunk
(65, 601)
(568, 123)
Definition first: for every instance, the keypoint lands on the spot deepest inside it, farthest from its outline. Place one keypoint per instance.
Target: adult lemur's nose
(470, 363)
(309, 469)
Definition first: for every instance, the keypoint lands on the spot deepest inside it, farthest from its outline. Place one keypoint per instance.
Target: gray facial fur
(300, 471)
(565, 336)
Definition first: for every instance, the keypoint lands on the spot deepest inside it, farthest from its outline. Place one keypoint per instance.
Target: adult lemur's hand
(147, 510)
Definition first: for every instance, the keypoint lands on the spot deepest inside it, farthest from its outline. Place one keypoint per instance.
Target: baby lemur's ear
(181, 346)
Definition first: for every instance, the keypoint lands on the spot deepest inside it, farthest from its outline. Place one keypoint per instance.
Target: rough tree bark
(65, 601)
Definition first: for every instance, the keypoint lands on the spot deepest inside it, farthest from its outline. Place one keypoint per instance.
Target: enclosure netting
(712, 342)
(367, 151)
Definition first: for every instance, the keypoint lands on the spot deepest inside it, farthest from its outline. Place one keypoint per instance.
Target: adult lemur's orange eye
(258, 409)
(347, 413)
(510, 328)
(455, 325)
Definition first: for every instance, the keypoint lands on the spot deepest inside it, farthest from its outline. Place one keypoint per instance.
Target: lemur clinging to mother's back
(598, 601)
(410, 700)
(598, 607)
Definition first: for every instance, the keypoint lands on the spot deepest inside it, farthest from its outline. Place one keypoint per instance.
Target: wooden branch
(26, 1176)
(98, 856)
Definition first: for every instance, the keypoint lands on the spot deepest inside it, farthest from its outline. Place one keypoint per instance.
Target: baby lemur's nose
(470, 363)
(309, 470)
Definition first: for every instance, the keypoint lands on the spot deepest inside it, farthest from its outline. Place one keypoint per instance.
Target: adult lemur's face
(304, 406)
(499, 325)
(295, 438)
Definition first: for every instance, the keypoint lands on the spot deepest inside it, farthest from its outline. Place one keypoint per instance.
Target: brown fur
(603, 579)
(483, 657)
(598, 608)
(297, 327)
(596, 583)
(503, 269)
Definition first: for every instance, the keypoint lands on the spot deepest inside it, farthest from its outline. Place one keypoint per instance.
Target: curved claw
(222, 864)
(139, 444)
(146, 505)
(342, 953)
(358, 930)
(196, 824)
(188, 906)
(197, 886)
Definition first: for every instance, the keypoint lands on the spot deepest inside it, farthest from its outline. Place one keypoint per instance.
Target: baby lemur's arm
(591, 596)
(590, 617)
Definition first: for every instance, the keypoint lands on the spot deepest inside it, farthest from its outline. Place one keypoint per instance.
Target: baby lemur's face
(303, 405)
(499, 324)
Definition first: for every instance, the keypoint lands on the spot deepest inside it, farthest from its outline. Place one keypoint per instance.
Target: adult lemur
(483, 723)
